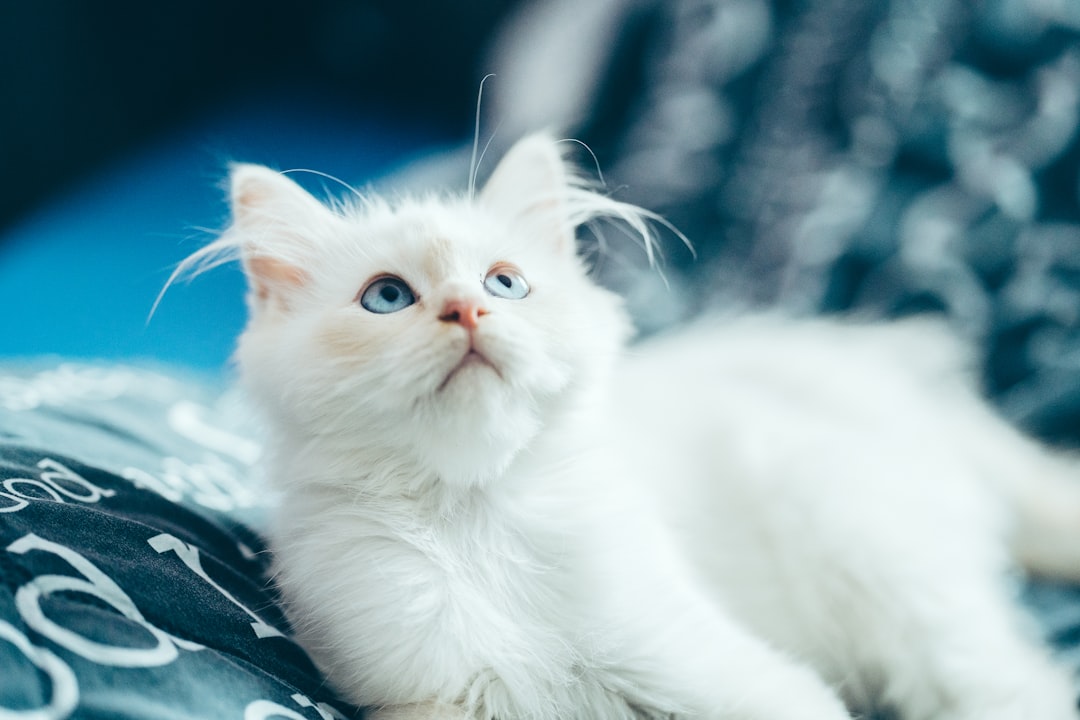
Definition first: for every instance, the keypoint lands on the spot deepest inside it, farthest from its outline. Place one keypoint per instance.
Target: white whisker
(328, 176)
(473, 167)
(596, 160)
(220, 252)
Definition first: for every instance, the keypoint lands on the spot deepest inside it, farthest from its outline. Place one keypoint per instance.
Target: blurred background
(83, 82)
(875, 157)
(120, 117)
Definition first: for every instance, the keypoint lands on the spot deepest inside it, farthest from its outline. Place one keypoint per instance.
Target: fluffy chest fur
(487, 597)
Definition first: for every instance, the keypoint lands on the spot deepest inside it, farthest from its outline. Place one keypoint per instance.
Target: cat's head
(449, 331)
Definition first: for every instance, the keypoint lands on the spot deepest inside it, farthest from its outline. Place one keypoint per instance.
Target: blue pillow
(133, 583)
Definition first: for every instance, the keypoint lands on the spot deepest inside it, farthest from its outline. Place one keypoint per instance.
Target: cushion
(133, 582)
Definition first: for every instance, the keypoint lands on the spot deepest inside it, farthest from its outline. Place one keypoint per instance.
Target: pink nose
(463, 312)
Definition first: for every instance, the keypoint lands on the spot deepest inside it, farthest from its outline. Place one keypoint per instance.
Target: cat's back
(780, 347)
(766, 427)
(735, 370)
(776, 452)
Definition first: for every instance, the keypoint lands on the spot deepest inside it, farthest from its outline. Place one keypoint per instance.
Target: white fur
(751, 519)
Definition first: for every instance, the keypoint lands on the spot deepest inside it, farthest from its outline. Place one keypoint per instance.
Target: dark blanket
(132, 584)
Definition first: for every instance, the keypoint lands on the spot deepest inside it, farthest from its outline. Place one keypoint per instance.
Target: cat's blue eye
(387, 294)
(506, 282)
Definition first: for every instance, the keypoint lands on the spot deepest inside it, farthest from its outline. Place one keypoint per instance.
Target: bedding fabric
(132, 583)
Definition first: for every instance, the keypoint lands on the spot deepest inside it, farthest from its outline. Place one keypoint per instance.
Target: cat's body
(491, 510)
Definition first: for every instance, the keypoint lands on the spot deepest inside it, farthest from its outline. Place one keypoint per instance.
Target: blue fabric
(133, 583)
(79, 276)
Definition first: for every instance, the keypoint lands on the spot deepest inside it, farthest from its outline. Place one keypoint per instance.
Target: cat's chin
(474, 366)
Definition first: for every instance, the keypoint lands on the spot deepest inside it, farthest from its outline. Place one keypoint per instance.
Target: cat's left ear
(530, 184)
(275, 218)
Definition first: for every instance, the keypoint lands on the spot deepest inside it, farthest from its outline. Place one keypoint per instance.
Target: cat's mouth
(471, 359)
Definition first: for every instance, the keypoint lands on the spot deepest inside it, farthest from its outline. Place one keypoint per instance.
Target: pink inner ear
(247, 197)
(267, 273)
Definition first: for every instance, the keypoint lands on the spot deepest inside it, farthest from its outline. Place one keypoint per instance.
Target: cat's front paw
(419, 711)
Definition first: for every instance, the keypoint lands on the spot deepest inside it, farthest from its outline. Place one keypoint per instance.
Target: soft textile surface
(131, 582)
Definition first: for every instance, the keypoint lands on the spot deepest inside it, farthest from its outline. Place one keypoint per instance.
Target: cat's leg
(956, 647)
(1042, 487)
(716, 670)
(656, 635)
(890, 580)
(679, 653)
(419, 711)
(940, 620)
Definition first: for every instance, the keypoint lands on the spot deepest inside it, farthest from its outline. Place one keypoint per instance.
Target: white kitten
(491, 510)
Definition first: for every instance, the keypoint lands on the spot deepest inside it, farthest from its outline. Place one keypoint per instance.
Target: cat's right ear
(531, 184)
(273, 217)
